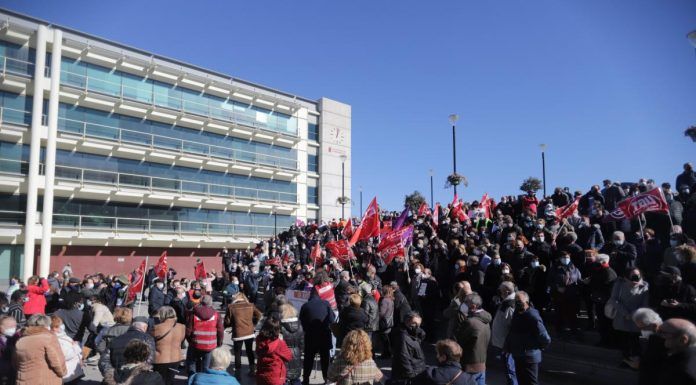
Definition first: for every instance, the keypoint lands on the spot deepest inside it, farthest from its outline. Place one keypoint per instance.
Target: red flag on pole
(567, 210)
(316, 253)
(369, 226)
(199, 270)
(393, 244)
(423, 210)
(161, 267)
(486, 205)
(652, 200)
(137, 286)
(341, 250)
(457, 211)
(436, 215)
(348, 229)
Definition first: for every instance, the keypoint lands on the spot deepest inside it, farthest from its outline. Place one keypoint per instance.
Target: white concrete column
(50, 164)
(301, 179)
(34, 152)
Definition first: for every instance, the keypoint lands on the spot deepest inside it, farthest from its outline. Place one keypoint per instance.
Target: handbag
(610, 309)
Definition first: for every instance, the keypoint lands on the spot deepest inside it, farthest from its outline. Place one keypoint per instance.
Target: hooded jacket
(473, 335)
(272, 356)
(205, 313)
(293, 335)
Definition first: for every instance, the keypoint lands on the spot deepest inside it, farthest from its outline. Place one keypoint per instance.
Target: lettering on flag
(649, 201)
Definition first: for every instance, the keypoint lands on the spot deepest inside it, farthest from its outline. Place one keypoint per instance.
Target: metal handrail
(29, 66)
(182, 146)
(153, 98)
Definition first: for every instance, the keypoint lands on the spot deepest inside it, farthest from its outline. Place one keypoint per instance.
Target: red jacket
(271, 358)
(37, 301)
(204, 313)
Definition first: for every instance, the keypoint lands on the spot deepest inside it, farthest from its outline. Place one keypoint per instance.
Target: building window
(313, 195)
(313, 131)
(313, 163)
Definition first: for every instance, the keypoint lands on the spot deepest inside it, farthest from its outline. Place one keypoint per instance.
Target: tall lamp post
(431, 189)
(343, 186)
(361, 200)
(453, 121)
(543, 166)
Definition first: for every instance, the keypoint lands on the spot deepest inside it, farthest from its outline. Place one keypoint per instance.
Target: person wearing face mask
(623, 254)
(589, 235)
(673, 297)
(71, 351)
(653, 351)
(38, 355)
(8, 339)
(599, 284)
(157, 297)
(628, 294)
(491, 281)
(501, 327)
(534, 280)
(409, 360)
(16, 308)
(73, 316)
(670, 257)
(526, 339)
(473, 334)
(540, 247)
(564, 279)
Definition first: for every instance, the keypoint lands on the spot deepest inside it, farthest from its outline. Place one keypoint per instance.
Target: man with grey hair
(623, 254)
(220, 359)
(653, 351)
(501, 327)
(117, 347)
(204, 332)
(473, 334)
(527, 337)
(680, 341)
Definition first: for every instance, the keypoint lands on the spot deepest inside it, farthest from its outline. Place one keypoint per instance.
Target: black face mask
(635, 278)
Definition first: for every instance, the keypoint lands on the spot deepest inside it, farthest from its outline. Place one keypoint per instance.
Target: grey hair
(508, 286)
(646, 316)
(165, 312)
(39, 320)
(220, 358)
(207, 300)
(474, 299)
(524, 295)
(619, 233)
(603, 258)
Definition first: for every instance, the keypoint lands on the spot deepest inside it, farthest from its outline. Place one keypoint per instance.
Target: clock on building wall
(337, 135)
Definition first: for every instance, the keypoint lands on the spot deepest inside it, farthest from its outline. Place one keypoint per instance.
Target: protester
(354, 365)
(473, 335)
(38, 354)
(8, 340)
(216, 374)
(501, 328)
(273, 354)
(136, 369)
(409, 359)
(242, 317)
(316, 316)
(122, 317)
(448, 370)
(204, 333)
(386, 320)
(628, 295)
(526, 339)
(653, 351)
(168, 335)
(115, 356)
(71, 351)
(680, 341)
(36, 301)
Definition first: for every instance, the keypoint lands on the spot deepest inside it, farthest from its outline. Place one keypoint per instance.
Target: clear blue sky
(610, 86)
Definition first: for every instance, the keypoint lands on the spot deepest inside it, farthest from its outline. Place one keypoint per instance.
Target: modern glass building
(109, 153)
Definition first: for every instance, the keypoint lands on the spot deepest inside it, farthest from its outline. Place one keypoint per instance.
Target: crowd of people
(475, 281)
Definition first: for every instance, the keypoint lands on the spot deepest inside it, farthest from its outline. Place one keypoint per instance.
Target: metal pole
(361, 201)
(431, 191)
(454, 154)
(275, 223)
(543, 171)
(343, 190)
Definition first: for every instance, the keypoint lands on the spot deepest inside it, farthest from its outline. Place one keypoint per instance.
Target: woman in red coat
(272, 354)
(36, 301)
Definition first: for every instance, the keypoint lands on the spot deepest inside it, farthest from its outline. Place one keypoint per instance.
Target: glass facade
(313, 163)
(313, 195)
(119, 84)
(313, 131)
(17, 59)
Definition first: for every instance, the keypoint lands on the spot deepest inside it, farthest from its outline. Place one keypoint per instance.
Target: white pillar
(50, 164)
(34, 152)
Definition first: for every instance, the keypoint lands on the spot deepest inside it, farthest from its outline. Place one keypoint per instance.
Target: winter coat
(626, 299)
(118, 346)
(37, 301)
(101, 317)
(242, 316)
(527, 336)
(212, 377)
(443, 374)
(409, 359)
(473, 335)
(205, 313)
(369, 305)
(271, 359)
(135, 374)
(386, 314)
(352, 318)
(155, 300)
(39, 358)
(293, 336)
(72, 353)
(502, 321)
(75, 322)
(622, 257)
(679, 368)
(168, 337)
(316, 316)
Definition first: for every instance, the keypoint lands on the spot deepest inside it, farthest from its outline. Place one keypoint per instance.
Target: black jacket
(351, 319)
(293, 336)
(118, 346)
(409, 360)
(155, 300)
(443, 374)
(679, 368)
(315, 316)
(622, 257)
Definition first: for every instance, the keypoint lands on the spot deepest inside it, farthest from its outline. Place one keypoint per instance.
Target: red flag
(348, 229)
(199, 270)
(486, 205)
(326, 292)
(136, 287)
(436, 215)
(341, 250)
(316, 254)
(457, 210)
(567, 210)
(393, 244)
(652, 200)
(423, 210)
(369, 226)
(161, 266)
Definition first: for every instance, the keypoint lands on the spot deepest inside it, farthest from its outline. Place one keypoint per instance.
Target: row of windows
(313, 163)
(313, 131)
(100, 214)
(120, 84)
(19, 59)
(313, 195)
(146, 174)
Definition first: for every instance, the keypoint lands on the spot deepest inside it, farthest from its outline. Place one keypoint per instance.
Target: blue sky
(610, 86)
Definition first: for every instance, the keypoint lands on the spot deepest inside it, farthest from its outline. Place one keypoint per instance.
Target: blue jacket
(443, 374)
(212, 377)
(315, 316)
(527, 336)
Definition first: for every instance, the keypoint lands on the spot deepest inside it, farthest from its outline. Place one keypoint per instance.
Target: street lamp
(543, 166)
(431, 188)
(361, 200)
(453, 121)
(343, 186)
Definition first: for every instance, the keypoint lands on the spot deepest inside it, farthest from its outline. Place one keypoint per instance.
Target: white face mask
(9, 332)
(565, 261)
(673, 242)
(646, 333)
(418, 271)
(535, 264)
(618, 242)
(506, 271)
(89, 286)
(160, 286)
(62, 328)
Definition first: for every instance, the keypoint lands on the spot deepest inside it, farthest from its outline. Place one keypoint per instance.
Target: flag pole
(142, 287)
(640, 222)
